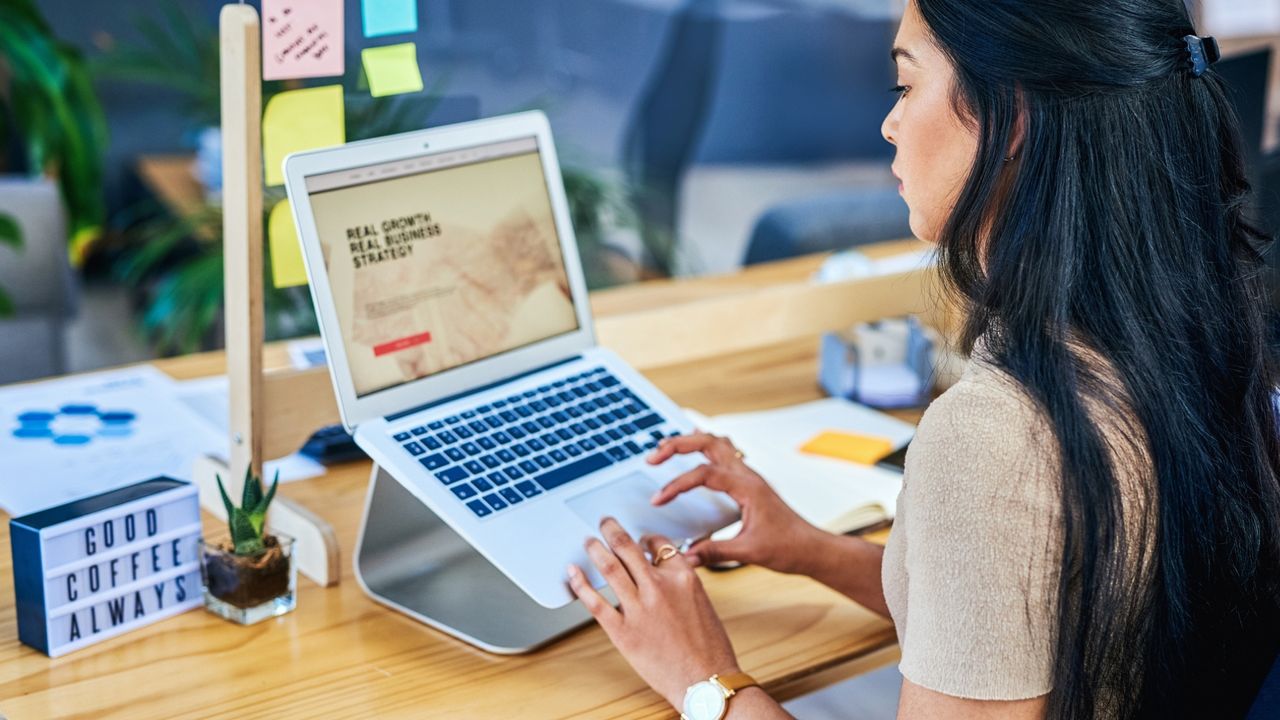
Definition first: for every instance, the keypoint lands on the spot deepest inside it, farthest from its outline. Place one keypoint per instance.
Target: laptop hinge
(473, 391)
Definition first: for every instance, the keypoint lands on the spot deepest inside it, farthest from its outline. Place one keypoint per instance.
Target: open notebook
(836, 495)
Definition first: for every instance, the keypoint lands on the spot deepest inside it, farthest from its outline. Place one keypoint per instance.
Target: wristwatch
(709, 699)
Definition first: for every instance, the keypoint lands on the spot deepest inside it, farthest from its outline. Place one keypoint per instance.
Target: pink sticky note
(301, 39)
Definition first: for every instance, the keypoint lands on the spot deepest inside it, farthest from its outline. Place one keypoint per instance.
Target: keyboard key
(498, 478)
(401, 437)
(559, 417)
(495, 502)
(520, 450)
(463, 432)
(550, 439)
(447, 438)
(483, 409)
(594, 387)
(574, 470)
(553, 402)
(513, 399)
(600, 439)
(530, 393)
(573, 450)
(415, 449)
(490, 461)
(589, 406)
(419, 431)
(546, 422)
(511, 496)
(531, 427)
(432, 443)
(657, 434)
(523, 411)
(479, 508)
(501, 438)
(609, 381)
(587, 444)
(615, 434)
(513, 473)
(494, 422)
(482, 485)
(516, 432)
(479, 426)
(471, 448)
(463, 491)
(455, 454)
(474, 467)
(499, 404)
(618, 454)
(487, 443)
(547, 388)
(544, 461)
(451, 475)
(564, 433)
(567, 396)
(580, 391)
(559, 456)
(628, 428)
(648, 421)
(633, 448)
(508, 416)
(506, 456)
(578, 429)
(528, 489)
(538, 406)
(468, 414)
(534, 445)
(592, 423)
(433, 462)
(529, 466)
(435, 424)
(452, 420)
(573, 412)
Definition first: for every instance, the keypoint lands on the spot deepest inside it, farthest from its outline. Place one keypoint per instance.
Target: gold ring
(666, 552)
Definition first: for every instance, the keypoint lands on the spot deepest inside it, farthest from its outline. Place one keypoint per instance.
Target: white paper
(833, 494)
(164, 437)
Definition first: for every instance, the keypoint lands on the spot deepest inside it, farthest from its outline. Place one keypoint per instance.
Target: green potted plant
(250, 575)
(50, 115)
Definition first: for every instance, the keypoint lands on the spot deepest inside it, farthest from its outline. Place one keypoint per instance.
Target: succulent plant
(248, 522)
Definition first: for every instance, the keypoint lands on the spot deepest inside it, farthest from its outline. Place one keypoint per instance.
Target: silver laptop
(455, 315)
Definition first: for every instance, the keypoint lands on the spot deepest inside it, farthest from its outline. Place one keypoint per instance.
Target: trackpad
(692, 515)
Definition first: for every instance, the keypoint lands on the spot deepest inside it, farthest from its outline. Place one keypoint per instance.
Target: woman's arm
(848, 565)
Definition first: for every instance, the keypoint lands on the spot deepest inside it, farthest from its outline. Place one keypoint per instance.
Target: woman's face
(935, 149)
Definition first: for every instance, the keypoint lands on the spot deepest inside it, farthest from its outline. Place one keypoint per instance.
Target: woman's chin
(919, 229)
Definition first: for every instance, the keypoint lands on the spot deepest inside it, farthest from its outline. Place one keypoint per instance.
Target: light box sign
(103, 565)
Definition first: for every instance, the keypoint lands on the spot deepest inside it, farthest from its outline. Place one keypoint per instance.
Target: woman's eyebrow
(901, 52)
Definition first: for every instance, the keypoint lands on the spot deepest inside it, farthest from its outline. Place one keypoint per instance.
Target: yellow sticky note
(287, 269)
(392, 69)
(299, 120)
(863, 449)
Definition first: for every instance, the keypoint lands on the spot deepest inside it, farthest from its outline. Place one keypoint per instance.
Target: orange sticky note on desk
(863, 449)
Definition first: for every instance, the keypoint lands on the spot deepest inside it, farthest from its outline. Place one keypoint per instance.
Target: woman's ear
(1019, 127)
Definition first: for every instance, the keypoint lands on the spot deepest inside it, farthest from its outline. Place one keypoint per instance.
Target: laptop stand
(408, 559)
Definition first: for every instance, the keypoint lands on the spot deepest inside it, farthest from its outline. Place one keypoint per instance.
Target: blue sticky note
(390, 17)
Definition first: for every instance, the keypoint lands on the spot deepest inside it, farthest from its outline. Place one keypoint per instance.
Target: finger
(594, 602)
(614, 573)
(711, 477)
(654, 544)
(627, 550)
(717, 449)
(712, 552)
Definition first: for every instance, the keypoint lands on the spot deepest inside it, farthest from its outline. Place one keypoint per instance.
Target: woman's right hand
(772, 534)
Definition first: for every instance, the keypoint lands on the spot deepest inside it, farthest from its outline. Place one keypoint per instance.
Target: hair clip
(1201, 53)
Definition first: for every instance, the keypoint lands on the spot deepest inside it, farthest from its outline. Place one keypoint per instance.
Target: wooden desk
(342, 655)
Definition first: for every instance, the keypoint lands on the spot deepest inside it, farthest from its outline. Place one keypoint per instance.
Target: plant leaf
(252, 490)
(244, 535)
(10, 233)
(266, 502)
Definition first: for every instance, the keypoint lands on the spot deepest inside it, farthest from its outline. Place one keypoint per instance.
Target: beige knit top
(971, 569)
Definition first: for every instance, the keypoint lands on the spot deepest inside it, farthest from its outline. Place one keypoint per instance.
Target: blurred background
(697, 136)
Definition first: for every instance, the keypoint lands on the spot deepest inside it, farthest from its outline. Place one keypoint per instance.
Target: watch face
(704, 701)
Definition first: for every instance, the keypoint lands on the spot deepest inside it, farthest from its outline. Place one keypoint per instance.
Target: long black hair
(1119, 226)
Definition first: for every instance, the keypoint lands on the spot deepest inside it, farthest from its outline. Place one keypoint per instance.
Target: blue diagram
(74, 424)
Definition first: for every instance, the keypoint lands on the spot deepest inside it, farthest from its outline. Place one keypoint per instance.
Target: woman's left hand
(664, 625)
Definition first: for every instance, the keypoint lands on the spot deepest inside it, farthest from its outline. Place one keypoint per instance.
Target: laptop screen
(441, 260)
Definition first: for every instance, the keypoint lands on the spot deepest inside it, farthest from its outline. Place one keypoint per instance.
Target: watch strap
(733, 682)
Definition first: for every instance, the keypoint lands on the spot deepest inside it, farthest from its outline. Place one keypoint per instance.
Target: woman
(1089, 520)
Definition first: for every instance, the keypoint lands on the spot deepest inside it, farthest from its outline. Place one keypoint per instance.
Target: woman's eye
(900, 89)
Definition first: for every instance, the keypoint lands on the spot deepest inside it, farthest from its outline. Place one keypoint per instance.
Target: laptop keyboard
(498, 454)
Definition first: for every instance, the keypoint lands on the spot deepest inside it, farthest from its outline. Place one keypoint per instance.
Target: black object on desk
(332, 445)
